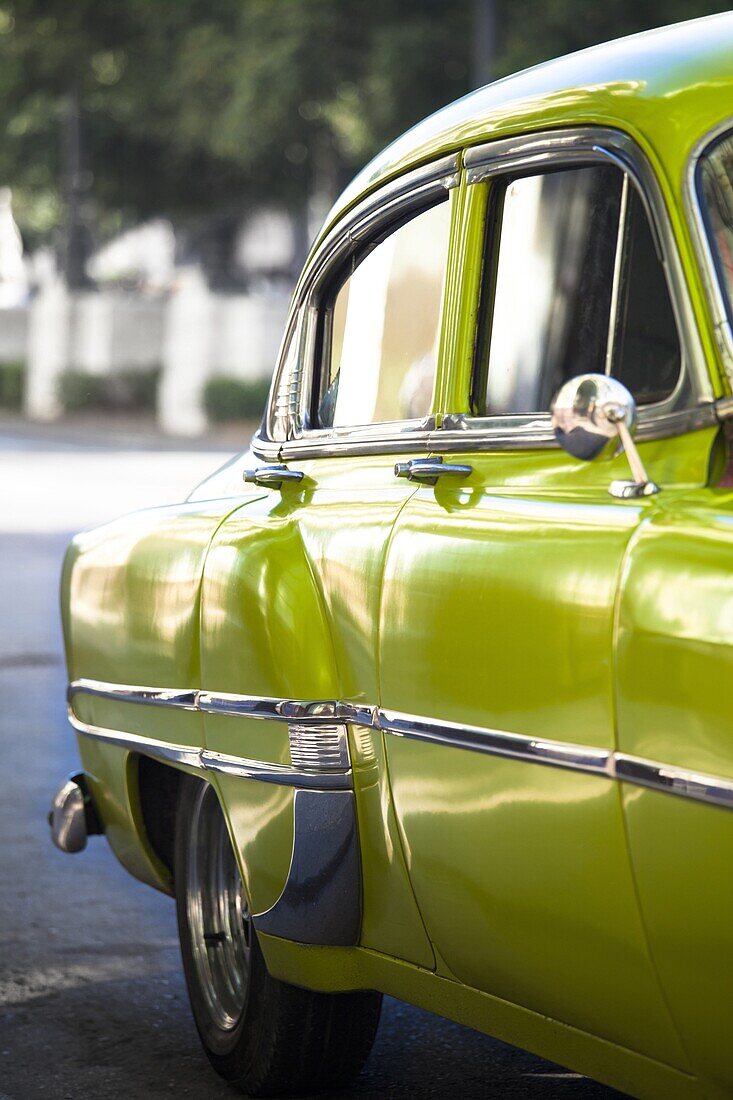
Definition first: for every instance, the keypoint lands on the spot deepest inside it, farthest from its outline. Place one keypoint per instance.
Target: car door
(499, 598)
(292, 585)
(675, 716)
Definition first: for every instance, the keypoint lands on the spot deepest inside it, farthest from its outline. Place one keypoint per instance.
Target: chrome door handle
(428, 470)
(272, 477)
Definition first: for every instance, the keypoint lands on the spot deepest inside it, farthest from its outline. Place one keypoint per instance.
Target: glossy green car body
(581, 904)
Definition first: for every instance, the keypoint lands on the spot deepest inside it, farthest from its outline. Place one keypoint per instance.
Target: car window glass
(575, 287)
(382, 346)
(716, 192)
(646, 353)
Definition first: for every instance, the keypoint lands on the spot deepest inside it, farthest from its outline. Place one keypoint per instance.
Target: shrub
(12, 385)
(228, 398)
(123, 391)
(79, 390)
(135, 390)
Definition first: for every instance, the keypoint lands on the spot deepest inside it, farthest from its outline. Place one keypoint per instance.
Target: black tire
(264, 1036)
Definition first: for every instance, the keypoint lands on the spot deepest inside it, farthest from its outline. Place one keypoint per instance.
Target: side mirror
(591, 415)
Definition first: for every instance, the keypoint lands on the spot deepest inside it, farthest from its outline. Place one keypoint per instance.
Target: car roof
(666, 87)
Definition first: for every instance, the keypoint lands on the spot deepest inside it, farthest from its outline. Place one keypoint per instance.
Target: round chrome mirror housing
(587, 412)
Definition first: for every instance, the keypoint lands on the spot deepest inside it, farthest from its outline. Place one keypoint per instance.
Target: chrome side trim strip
(324, 743)
(673, 780)
(497, 743)
(246, 706)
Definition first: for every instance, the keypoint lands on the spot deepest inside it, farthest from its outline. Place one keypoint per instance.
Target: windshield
(715, 187)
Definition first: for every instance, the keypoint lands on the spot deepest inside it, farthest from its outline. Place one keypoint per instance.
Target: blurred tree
(541, 29)
(199, 110)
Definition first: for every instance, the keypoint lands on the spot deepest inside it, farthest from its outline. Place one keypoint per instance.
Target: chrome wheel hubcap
(218, 917)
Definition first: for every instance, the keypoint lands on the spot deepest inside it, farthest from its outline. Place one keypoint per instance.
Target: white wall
(13, 334)
(214, 334)
(193, 334)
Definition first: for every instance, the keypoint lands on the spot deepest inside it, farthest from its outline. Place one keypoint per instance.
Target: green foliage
(197, 110)
(193, 108)
(124, 391)
(228, 398)
(12, 385)
(79, 391)
(537, 30)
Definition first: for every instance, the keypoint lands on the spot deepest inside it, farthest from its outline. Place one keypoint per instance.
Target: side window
(381, 326)
(572, 285)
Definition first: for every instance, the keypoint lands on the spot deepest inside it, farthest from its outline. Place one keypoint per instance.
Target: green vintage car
(413, 697)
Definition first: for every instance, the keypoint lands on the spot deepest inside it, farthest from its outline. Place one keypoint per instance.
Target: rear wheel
(263, 1035)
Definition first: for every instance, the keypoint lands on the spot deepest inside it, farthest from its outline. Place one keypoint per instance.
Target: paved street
(92, 1001)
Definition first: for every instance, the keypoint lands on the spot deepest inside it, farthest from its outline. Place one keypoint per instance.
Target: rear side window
(572, 285)
(381, 323)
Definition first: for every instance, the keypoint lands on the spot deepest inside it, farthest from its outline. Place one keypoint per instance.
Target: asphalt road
(92, 1000)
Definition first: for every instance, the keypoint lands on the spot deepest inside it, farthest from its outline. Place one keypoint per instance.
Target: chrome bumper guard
(72, 816)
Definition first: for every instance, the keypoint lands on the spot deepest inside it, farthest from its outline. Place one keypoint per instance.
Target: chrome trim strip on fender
(127, 693)
(158, 750)
(275, 773)
(316, 775)
(320, 902)
(311, 718)
(247, 706)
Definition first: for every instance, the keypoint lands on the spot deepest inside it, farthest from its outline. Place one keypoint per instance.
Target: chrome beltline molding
(622, 767)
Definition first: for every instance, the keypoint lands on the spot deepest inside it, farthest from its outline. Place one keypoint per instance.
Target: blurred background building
(166, 163)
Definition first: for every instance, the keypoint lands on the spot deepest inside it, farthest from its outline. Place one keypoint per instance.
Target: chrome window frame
(717, 302)
(692, 404)
(413, 190)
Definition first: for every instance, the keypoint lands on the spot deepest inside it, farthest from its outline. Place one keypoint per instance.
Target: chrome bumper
(72, 816)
